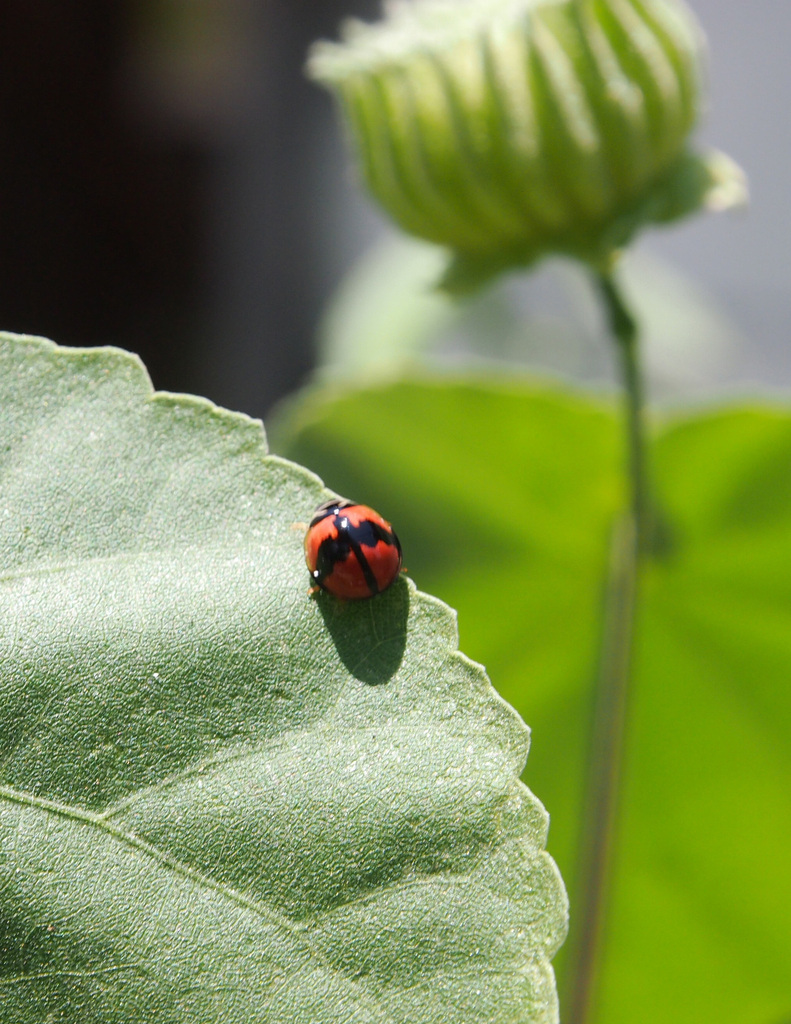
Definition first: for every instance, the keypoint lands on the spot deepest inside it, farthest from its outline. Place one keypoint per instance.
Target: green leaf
(503, 494)
(223, 801)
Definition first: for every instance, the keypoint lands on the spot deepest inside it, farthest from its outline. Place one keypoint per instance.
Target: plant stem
(624, 329)
(630, 541)
(600, 808)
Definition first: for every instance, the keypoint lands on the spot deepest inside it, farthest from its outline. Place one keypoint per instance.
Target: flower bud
(506, 130)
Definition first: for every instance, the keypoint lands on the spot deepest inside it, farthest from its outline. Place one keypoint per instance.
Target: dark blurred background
(162, 168)
(171, 183)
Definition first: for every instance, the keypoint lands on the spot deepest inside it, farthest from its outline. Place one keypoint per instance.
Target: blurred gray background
(170, 182)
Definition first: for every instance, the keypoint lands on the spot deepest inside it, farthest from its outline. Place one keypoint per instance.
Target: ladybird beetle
(350, 550)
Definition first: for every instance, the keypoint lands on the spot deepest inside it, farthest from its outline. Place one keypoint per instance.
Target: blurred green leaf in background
(502, 492)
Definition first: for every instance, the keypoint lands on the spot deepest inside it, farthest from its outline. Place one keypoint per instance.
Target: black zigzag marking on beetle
(351, 539)
(370, 579)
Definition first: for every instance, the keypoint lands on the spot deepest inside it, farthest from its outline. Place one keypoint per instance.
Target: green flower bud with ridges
(506, 130)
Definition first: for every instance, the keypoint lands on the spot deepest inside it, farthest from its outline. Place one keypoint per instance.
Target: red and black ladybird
(351, 551)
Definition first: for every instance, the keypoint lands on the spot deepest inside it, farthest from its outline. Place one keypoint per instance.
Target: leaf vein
(18, 979)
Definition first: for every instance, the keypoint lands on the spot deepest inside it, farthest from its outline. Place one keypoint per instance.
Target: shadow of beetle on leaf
(369, 635)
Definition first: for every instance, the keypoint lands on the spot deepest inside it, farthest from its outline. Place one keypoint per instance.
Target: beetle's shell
(351, 551)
